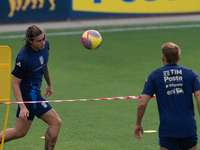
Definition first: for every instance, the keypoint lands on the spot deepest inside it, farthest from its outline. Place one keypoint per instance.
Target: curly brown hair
(31, 33)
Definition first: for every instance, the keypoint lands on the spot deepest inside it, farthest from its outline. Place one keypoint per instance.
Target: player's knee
(57, 123)
(21, 134)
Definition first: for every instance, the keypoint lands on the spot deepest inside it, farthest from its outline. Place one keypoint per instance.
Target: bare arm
(24, 113)
(47, 76)
(197, 96)
(140, 113)
(49, 89)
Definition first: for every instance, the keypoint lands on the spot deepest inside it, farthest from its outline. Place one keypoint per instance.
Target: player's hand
(137, 130)
(24, 113)
(48, 92)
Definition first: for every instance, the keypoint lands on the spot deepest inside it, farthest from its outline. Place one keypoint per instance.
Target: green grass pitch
(119, 67)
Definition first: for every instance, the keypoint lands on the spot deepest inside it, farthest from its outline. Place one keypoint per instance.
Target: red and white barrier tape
(77, 100)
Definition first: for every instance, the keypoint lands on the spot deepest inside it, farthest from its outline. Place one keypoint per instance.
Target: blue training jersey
(30, 67)
(173, 86)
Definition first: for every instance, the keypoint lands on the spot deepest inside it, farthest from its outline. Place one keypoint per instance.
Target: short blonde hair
(171, 53)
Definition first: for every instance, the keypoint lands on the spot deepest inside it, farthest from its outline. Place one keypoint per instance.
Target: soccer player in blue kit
(30, 68)
(173, 86)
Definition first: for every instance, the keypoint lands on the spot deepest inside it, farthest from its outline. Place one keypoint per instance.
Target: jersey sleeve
(196, 83)
(149, 88)
(20, 68)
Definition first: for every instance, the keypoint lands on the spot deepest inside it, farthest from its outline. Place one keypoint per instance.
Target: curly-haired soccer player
(30, 68)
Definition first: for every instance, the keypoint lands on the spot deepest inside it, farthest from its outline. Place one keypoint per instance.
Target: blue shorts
(178, 143)
(36, 109)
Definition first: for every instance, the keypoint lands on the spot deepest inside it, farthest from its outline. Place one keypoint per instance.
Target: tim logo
(17, 5)
(41, 60)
